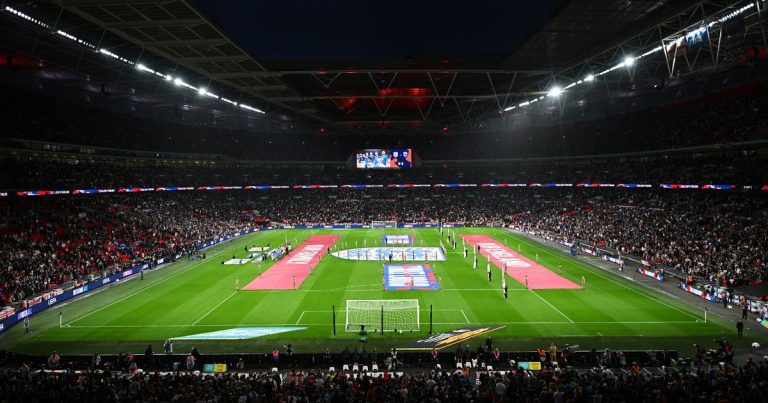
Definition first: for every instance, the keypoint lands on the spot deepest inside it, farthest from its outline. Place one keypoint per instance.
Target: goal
(387, 315)
(383, 224)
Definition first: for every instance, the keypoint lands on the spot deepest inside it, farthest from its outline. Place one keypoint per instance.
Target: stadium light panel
(250, 108)
(509, 108)
(589, 78)
(629, 61)
(652, 51)
(142, 67)
(26, 17)
(555, 92)
(201, 91)
(178, 81)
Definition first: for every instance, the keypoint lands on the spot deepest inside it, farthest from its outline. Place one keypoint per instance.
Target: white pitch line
(523, 323)
(465, 316)
(481, 289)
(593, 270)
(215, 307)
(351, 286)
(553, 307)
(300, 316)
(152, 285)
(380, 289)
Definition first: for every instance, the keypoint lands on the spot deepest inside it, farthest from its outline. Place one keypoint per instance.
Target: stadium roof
(175, 38)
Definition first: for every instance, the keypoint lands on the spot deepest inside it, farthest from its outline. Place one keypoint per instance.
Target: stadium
(563, 200)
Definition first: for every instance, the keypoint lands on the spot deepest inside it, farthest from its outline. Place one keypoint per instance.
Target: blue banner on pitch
(239, 333)
(409, 277)
(398, 253)
(397, 239)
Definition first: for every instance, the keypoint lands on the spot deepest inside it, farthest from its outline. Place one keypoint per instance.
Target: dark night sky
(292, 30)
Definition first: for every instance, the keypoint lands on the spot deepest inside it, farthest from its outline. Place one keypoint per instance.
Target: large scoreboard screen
(390, 158)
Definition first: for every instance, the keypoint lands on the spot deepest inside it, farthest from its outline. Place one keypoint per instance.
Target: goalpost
(383, 224)
(386, 315)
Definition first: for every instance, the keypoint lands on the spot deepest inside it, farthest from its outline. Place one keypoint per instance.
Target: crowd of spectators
(46, 243)
(707, 383)
(715, 237)
(83, 172)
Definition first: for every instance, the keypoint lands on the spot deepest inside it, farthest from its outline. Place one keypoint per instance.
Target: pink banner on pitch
(519, 266)
(298, 263)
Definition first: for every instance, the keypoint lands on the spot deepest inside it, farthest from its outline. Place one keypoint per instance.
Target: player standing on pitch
(505, 289)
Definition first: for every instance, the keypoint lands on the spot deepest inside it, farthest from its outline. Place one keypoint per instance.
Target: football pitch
(195, 297)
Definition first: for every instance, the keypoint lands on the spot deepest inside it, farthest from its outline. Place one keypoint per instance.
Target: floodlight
(168, 77)
(201, 91)
(177, 81)
(555, 92)
(629, 61)
(589, 78)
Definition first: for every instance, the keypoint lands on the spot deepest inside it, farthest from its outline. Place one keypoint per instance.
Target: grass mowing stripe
(434, 323)
(158, 282)
(553, 307)
(594, 270)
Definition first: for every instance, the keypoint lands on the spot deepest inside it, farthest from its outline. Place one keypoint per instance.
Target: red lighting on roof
(409, 97)
(411, 91)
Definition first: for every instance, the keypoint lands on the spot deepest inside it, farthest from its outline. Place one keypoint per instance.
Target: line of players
(505, 289)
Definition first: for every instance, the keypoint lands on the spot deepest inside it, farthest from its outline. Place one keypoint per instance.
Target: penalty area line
(215, 307)
(465, 316)
(553, 307)
(300, 316)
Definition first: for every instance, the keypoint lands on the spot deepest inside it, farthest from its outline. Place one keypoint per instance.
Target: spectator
(53, 360)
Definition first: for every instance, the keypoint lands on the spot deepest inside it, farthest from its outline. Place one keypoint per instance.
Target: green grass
(195, 297)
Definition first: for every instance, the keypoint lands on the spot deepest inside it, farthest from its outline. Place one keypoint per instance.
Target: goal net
(383, 224)
(393, 314)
